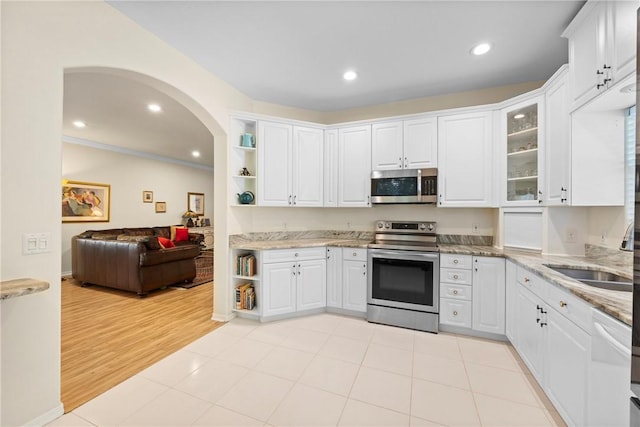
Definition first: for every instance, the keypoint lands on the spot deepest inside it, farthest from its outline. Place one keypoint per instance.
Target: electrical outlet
(475, 227)
(284, 225)
(603, 236)
(571, 235)
(348, 226)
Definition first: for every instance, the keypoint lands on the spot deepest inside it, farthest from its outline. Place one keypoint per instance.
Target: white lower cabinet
(547, 328)
(294, 280)
(488, 295)
(334, 277)
(510, 301)
(354, 280)
(472, 293)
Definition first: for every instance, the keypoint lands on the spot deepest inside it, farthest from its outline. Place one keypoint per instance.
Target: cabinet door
(511, 288)
(623, 45)
(334, 277)
(354, 166)
(567, 367)
(587, 46)
(558, 143)
(522, 142)
(274, 164)
(420, 145)
(354, 285)
(331, 167)
(308, 168)
(530, 342)
(488, 294)
(386, 146)
(279, 288)
(464, 160)
(312, 284)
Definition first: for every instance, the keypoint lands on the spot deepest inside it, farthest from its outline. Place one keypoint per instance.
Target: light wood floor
(109, 336)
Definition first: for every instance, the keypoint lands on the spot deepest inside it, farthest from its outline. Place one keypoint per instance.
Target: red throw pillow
(165, 243)
(182, 235)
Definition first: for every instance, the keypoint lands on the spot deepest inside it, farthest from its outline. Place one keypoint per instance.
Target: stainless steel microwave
(404, 186)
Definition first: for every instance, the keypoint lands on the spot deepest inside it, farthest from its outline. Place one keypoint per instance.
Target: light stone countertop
(617, 304)
(20, 287)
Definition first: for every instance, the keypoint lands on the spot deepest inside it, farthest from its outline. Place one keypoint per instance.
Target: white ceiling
(294, 53)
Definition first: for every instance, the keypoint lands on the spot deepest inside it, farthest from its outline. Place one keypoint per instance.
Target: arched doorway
(137, 83)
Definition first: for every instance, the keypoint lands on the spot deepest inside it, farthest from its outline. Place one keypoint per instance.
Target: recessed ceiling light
(195, 153)
(481, 49)
(350, 75)
(154, 108)
(519, 116)
(79, 124)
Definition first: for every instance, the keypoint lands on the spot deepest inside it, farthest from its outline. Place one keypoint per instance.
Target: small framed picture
(161, 207)
(195, 202)
(147, 196)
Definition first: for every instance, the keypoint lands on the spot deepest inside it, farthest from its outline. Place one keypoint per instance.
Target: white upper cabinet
(408, 144)
(557, 181)
(386, 146)
(522, 142)
(290, 165)
(331, 167)
(274, 164)
(308, 169)
(354, 166)
(465, 160)
(601, 47)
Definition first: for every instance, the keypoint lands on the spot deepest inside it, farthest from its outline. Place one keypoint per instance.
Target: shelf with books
(245, 283)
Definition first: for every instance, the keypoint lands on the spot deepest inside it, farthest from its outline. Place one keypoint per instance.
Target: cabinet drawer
(295, 254)
(455, 312)
(463, 292)
(531, 281)
(454, 275)
(570, 306)
(354, 254)
(455, 261)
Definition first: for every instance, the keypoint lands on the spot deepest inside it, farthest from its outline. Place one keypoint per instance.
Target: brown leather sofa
(132, 259)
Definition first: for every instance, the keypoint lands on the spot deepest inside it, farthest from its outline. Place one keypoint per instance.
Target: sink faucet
(627, 240)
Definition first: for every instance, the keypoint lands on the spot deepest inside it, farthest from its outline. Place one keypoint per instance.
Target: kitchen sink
(595, 278)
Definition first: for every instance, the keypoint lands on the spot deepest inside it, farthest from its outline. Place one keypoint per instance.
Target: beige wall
(39, 41)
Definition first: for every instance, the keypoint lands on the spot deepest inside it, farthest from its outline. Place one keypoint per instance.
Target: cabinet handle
(364, 270)
(406, 163)
(455, 292)
(606, 67)
(355, 254)
(399, 162)
(294, 199)
(455, 313)
(563, 304)
(293, 269)
(542, 324)
(455, 277)
(289, 199)
(526, 280)
(598, 72)
(296, 254)
(299, 270)
(455, 261)
(369, 200)
(440, 196)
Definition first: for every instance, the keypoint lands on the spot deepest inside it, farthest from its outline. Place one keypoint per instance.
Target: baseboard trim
(66, 274)
(47, 417)
(222, 317)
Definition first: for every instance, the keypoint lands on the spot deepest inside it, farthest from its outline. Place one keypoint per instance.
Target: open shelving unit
(243, 157)
(239, 278)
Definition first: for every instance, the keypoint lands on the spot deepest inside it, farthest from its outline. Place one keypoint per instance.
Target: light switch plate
(36, 243)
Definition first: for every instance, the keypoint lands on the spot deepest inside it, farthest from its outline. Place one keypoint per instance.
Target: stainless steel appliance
(403, 280)
(404, 186)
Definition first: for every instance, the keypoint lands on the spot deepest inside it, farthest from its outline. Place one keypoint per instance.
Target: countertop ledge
(617, 304)
(20, 287)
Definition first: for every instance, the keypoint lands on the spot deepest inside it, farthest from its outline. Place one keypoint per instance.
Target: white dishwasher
(610, 372)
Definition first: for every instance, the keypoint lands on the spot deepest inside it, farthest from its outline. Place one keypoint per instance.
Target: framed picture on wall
(161, 207)
(147, 196)
(85, 201)
(195, 202)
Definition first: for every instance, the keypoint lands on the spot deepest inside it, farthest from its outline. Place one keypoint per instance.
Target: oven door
(404, 279)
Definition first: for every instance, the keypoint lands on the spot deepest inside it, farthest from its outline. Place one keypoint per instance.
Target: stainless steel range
(403, 280)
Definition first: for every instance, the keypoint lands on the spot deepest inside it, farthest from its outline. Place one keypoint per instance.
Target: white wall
(450, 220)
(39, 41)
(607, 226)
(129, 176)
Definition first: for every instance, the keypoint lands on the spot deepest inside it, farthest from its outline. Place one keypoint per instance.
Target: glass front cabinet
(521, 127)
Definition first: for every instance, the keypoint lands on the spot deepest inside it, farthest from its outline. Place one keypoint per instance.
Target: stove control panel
(405, 227)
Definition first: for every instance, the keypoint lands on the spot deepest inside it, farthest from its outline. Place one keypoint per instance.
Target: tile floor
(326, 370)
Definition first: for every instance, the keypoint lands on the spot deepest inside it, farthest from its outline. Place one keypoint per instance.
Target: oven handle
(409, 255)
